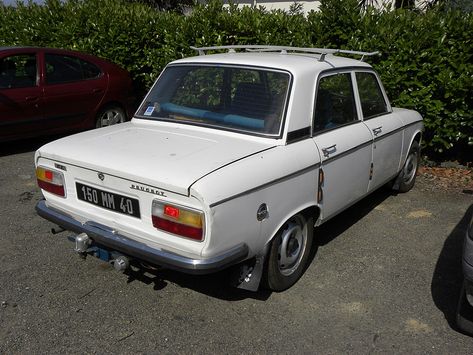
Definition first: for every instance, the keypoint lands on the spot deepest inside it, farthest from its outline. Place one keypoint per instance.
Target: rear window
(242, 99)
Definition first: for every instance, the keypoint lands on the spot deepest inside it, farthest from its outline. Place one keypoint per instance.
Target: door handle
(97, 91)
(31, 98)
(329, 150)
(377, 130)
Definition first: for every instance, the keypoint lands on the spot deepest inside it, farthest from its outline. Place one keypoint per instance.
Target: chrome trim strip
(109, 238)
(341, 155)
(377, 138)
(260, 187)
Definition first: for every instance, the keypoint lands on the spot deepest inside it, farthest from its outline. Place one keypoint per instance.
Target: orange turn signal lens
(50, 180)
(178, 220)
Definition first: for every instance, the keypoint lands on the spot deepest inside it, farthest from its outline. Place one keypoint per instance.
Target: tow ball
(83, 246)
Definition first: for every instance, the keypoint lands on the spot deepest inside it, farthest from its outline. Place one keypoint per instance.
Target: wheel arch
(416, 137)
(307, 211)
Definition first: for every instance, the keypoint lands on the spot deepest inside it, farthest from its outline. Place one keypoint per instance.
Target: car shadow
(448, 275)
(218, 285)
(340, 223)
(25, 145)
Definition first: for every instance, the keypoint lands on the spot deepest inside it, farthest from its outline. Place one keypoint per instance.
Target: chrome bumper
(106, 237)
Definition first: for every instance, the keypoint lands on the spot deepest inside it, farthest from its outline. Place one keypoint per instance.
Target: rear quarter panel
(283, 177)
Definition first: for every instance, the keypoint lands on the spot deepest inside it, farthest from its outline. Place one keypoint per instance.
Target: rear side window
(65, 69)
(18, 71)
(335, 104)
(371, 97)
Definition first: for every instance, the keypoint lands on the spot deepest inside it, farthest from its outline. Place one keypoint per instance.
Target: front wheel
(110, 116)
(407, 177)
(289, 253)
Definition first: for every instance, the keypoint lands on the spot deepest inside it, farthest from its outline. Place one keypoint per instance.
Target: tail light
(178, 220)
(51, 181)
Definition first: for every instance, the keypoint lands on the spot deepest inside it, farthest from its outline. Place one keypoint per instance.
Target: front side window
(371, 96)
(65, 69)
(241, 99)
(18, 71)
(335, 104)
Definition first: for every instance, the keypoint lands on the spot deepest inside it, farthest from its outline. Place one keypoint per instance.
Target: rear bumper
(107, 237)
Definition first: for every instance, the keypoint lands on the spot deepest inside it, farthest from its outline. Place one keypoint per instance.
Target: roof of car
(13, 50)
(20, 48)
(11, 47)
(292, 62)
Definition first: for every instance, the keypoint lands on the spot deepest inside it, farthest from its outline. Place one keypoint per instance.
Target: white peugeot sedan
(231, 161)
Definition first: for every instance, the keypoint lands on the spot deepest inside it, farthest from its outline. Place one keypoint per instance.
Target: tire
(109, 116)
(407, 176)
(295, 237)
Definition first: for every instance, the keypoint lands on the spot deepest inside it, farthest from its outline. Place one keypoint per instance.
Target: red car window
(65, 69)
(18, 71)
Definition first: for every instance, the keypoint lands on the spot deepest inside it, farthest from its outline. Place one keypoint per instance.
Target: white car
(232, 160)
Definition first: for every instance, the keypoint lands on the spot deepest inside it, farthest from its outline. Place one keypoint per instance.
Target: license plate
(110, 201)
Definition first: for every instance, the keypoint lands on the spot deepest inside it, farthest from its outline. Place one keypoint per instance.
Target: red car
(48, 91)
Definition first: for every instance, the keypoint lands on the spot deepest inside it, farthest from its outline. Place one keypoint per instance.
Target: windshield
(242, 99)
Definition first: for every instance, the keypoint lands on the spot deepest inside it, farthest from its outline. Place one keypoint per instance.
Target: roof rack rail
(283, 50)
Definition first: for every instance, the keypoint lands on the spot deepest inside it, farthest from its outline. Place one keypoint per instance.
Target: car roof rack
(283, 50)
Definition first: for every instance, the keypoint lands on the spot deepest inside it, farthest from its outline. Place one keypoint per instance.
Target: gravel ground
(385, 279)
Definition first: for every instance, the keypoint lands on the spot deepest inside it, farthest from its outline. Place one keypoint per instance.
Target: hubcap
(410, 168)
(292, 247)
(111, 117)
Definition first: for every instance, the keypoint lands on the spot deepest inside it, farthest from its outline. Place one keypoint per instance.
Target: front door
(385, 127)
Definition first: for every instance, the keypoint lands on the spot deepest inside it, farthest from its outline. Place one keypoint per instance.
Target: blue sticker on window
(149, 111)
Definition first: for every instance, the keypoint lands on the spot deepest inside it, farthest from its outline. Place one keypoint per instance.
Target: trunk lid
(169, 158)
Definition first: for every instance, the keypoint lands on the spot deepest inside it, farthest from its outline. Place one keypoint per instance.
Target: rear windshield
(243, 99)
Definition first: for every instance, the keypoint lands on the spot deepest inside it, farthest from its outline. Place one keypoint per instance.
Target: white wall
(307, 5)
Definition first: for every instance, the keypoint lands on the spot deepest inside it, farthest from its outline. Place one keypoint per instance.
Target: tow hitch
(84, 245)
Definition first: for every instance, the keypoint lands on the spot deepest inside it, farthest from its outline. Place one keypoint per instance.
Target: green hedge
(426, 58)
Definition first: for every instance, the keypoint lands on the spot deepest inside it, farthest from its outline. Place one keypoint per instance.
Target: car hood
(170, 158)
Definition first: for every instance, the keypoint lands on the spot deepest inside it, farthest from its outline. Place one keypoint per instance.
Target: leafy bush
(425, 62)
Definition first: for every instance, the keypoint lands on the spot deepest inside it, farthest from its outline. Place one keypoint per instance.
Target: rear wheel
(289, 252)
(110, 116)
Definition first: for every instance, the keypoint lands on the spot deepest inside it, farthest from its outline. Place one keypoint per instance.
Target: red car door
(73, 90)
(20, 96)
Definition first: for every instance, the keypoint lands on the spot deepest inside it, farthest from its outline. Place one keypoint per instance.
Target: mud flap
(248, 275)
(398, 179)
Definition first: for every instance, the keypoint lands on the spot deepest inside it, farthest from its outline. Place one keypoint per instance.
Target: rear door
(20, 95)
(344, 143)
(385, 128)
(73, 90)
